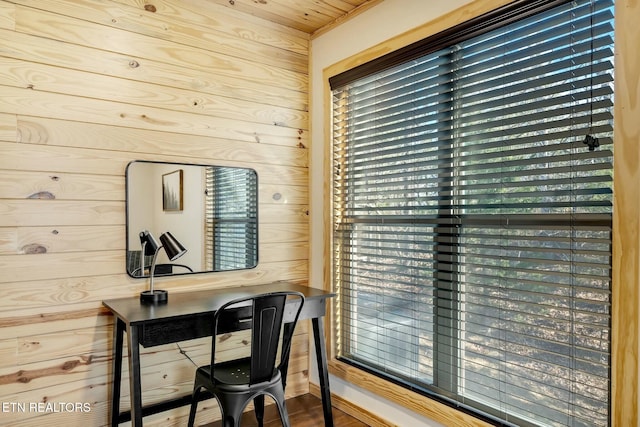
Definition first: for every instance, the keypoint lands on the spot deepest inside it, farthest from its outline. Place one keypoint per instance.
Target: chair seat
(235, 374)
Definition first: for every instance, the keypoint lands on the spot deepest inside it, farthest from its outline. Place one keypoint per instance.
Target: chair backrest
(265, 315)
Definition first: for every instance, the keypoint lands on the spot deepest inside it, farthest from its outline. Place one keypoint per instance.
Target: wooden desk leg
(321, 358)
(134, 376)
(116, 363)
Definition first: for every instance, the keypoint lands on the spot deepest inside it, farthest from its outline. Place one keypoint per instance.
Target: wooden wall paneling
(69, 239)
(292, 271)
(80, 391)
(48, 291)
(33, 379)
(51, 322)
(55, 186)
(147, 143)
(53, 159)
(283, 213)
(44, 347)
(19, 184)
(52, 266)
(53, 212)
(226, 20)
(8, 352)
(284, 233)
(30, 299)
(8, 240)
(58, 212)
(34, 298)
(82, 264)
(74, 31)
(60, 54)
(41, 413)
(53, 295)
(8, 127)
(53, 105)
(37, 240)
(273, 252)
(39, 77)
(7, 15)
(37, 381)
(41, 240)
(43, 373)
(172, 28)
(279, 194)
(89, 86)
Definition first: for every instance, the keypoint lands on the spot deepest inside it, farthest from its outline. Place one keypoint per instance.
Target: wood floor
(304, 411)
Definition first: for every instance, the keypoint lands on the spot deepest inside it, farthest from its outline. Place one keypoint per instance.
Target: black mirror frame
(128, 232)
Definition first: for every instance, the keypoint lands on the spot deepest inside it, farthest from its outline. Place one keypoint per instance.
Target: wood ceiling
(304, 15)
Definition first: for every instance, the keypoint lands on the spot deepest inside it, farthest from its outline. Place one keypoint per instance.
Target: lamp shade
(149, 243)
(172, 246)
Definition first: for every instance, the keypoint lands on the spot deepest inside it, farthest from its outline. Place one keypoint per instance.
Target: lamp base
(155, 297)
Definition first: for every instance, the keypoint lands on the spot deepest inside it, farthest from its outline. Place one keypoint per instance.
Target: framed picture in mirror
(172, 199)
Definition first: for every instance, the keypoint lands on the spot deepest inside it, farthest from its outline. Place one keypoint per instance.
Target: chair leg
(194, 404)
(231, 406)
(258, 404)
(284, 415)
(229, 422)
(277, 392)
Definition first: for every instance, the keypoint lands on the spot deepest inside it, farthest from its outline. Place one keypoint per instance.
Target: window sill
(413, 401)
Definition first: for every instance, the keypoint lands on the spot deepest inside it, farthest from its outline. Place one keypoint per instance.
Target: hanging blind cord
(590, 140)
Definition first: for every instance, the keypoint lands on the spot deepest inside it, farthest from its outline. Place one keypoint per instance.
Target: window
(472, 206)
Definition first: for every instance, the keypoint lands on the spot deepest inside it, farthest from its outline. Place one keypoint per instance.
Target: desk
(188, 316)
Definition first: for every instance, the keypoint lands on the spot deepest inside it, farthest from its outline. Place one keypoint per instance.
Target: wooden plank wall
(87, 86)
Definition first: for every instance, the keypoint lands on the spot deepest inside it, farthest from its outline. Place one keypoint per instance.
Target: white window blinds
(472, 202)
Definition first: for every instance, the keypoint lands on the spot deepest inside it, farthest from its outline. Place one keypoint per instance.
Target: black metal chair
(237, 382)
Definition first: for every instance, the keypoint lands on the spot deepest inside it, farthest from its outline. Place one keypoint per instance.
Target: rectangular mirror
(211, 210)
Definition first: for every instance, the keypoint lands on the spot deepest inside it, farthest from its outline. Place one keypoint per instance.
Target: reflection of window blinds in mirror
(230, 227)
(208, 219)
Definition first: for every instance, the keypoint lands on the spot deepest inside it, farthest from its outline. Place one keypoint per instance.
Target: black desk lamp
(150, 246)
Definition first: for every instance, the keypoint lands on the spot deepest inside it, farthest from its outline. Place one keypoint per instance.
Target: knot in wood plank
(42, 195)
(33, 248)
